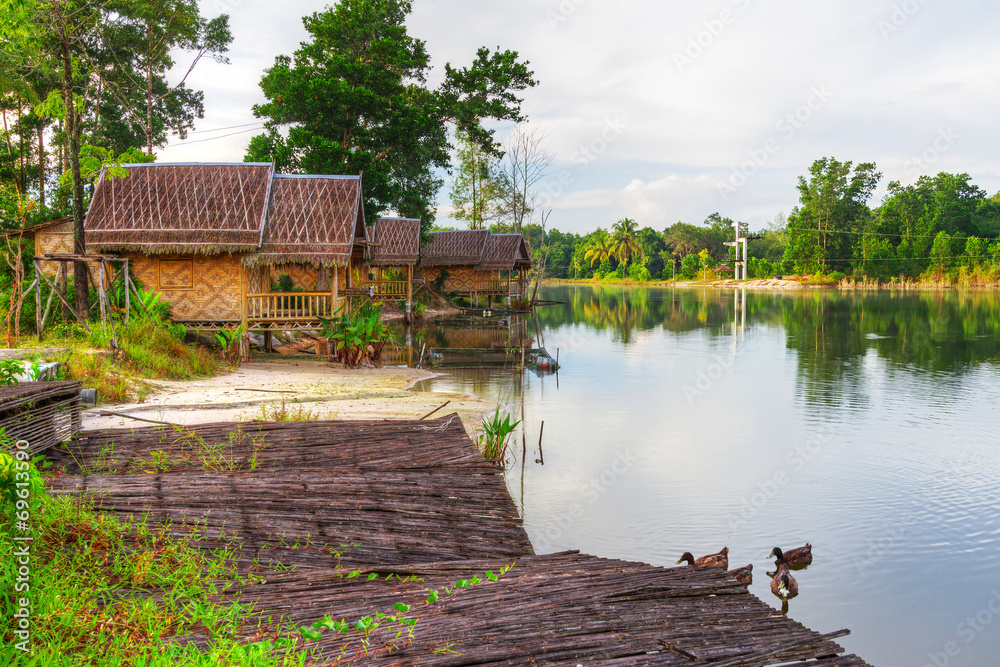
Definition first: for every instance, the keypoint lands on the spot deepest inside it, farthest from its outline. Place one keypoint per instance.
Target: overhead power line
(223, 136)
(231, 127)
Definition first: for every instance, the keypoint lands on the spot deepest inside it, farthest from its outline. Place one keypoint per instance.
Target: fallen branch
(434, 410)
(109, 413)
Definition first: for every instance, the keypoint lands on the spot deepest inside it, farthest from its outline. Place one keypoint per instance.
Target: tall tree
(138, 44)
(525, 164)
(477, 188)
(626, 245)
(354, 99)
(833, 206)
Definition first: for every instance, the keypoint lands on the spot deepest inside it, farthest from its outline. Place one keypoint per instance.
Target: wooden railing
(494, 286)
(387, 290)
(288, 306)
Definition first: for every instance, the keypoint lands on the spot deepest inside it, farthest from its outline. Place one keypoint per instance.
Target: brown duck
(744, 575)
(783, 584)
(794, 557)
(720, 559)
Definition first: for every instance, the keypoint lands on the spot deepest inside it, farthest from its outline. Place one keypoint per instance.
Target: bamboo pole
(48, 309)
(38, 307)
(128, 302)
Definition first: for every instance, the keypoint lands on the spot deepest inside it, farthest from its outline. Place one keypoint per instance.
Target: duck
(744, 575)
(783, 584)
(794, 557)
(720, 559)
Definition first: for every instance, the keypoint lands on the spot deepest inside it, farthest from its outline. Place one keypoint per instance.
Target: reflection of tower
(739, 316)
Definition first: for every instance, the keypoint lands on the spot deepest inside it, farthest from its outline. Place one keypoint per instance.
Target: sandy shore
(331, 392)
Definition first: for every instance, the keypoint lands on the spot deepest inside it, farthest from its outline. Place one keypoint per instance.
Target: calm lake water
(864, 423)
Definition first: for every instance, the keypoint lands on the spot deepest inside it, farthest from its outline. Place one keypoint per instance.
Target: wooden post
(48, 309)
(409, 293)
(334, 290)
(128, 301)
(38, 302)
(244, 347)
(100, 295)
(62, 281)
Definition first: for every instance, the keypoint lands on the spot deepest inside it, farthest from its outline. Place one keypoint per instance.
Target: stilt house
(216, 240)
(476, 262)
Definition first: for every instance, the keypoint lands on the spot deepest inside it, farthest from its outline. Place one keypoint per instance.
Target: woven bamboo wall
(460, 278)
(304, 276)
(215, 284)
(57, 240)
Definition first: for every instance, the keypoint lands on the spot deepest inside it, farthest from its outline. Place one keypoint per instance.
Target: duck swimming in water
(794, 557)
(783, 584)
(720, 559)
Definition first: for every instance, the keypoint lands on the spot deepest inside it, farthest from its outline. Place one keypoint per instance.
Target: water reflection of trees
(831, 331)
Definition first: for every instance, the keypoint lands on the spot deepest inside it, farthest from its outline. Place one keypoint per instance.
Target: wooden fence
(288, 306)
(380, 290)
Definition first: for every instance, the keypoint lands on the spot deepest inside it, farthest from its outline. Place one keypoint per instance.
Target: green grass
(106, 592)
(148, 349)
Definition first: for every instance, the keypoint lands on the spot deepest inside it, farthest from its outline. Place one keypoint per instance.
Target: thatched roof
(504, 252)
(524, 255)
(396, 242)
(462, 248)
(181, 208)
(29, 231)
(313, 219)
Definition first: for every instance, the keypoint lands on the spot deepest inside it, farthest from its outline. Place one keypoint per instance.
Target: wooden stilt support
(62, 297)
(39, 327)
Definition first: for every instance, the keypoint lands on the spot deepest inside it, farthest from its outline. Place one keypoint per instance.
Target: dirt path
(329, 392)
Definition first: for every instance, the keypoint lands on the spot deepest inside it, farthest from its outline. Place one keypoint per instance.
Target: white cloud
(689, 126)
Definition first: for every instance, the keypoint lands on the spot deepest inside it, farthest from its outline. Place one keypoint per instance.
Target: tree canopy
(354, 99)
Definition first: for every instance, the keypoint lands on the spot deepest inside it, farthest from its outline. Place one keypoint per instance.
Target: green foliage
(437, 284)
(284, 283)
(496, 435)
(478, 185)
(356, 338)
(9, 370)
(230, 340)
(354, 99)
(690, 266)
(84, 565)
(833, 205)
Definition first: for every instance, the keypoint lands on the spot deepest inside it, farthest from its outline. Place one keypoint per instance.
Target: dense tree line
(941, 228)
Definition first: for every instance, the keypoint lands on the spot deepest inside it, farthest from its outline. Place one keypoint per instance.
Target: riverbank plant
(495, 437)
(356, 338)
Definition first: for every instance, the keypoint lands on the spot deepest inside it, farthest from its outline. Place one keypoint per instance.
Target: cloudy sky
(663, 110)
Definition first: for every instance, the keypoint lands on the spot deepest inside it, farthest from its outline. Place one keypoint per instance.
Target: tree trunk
(73, 153)
(41, 165)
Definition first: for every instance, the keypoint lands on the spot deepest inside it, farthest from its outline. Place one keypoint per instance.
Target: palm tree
(601, 248)
(625, 244)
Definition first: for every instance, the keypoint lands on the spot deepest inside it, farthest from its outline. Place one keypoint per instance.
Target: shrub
(356, 338)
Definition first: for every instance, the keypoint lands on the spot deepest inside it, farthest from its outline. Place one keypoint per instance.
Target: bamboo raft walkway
(307, 494)
(409, 507)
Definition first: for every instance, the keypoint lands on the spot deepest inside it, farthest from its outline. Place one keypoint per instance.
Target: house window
(176, 274)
